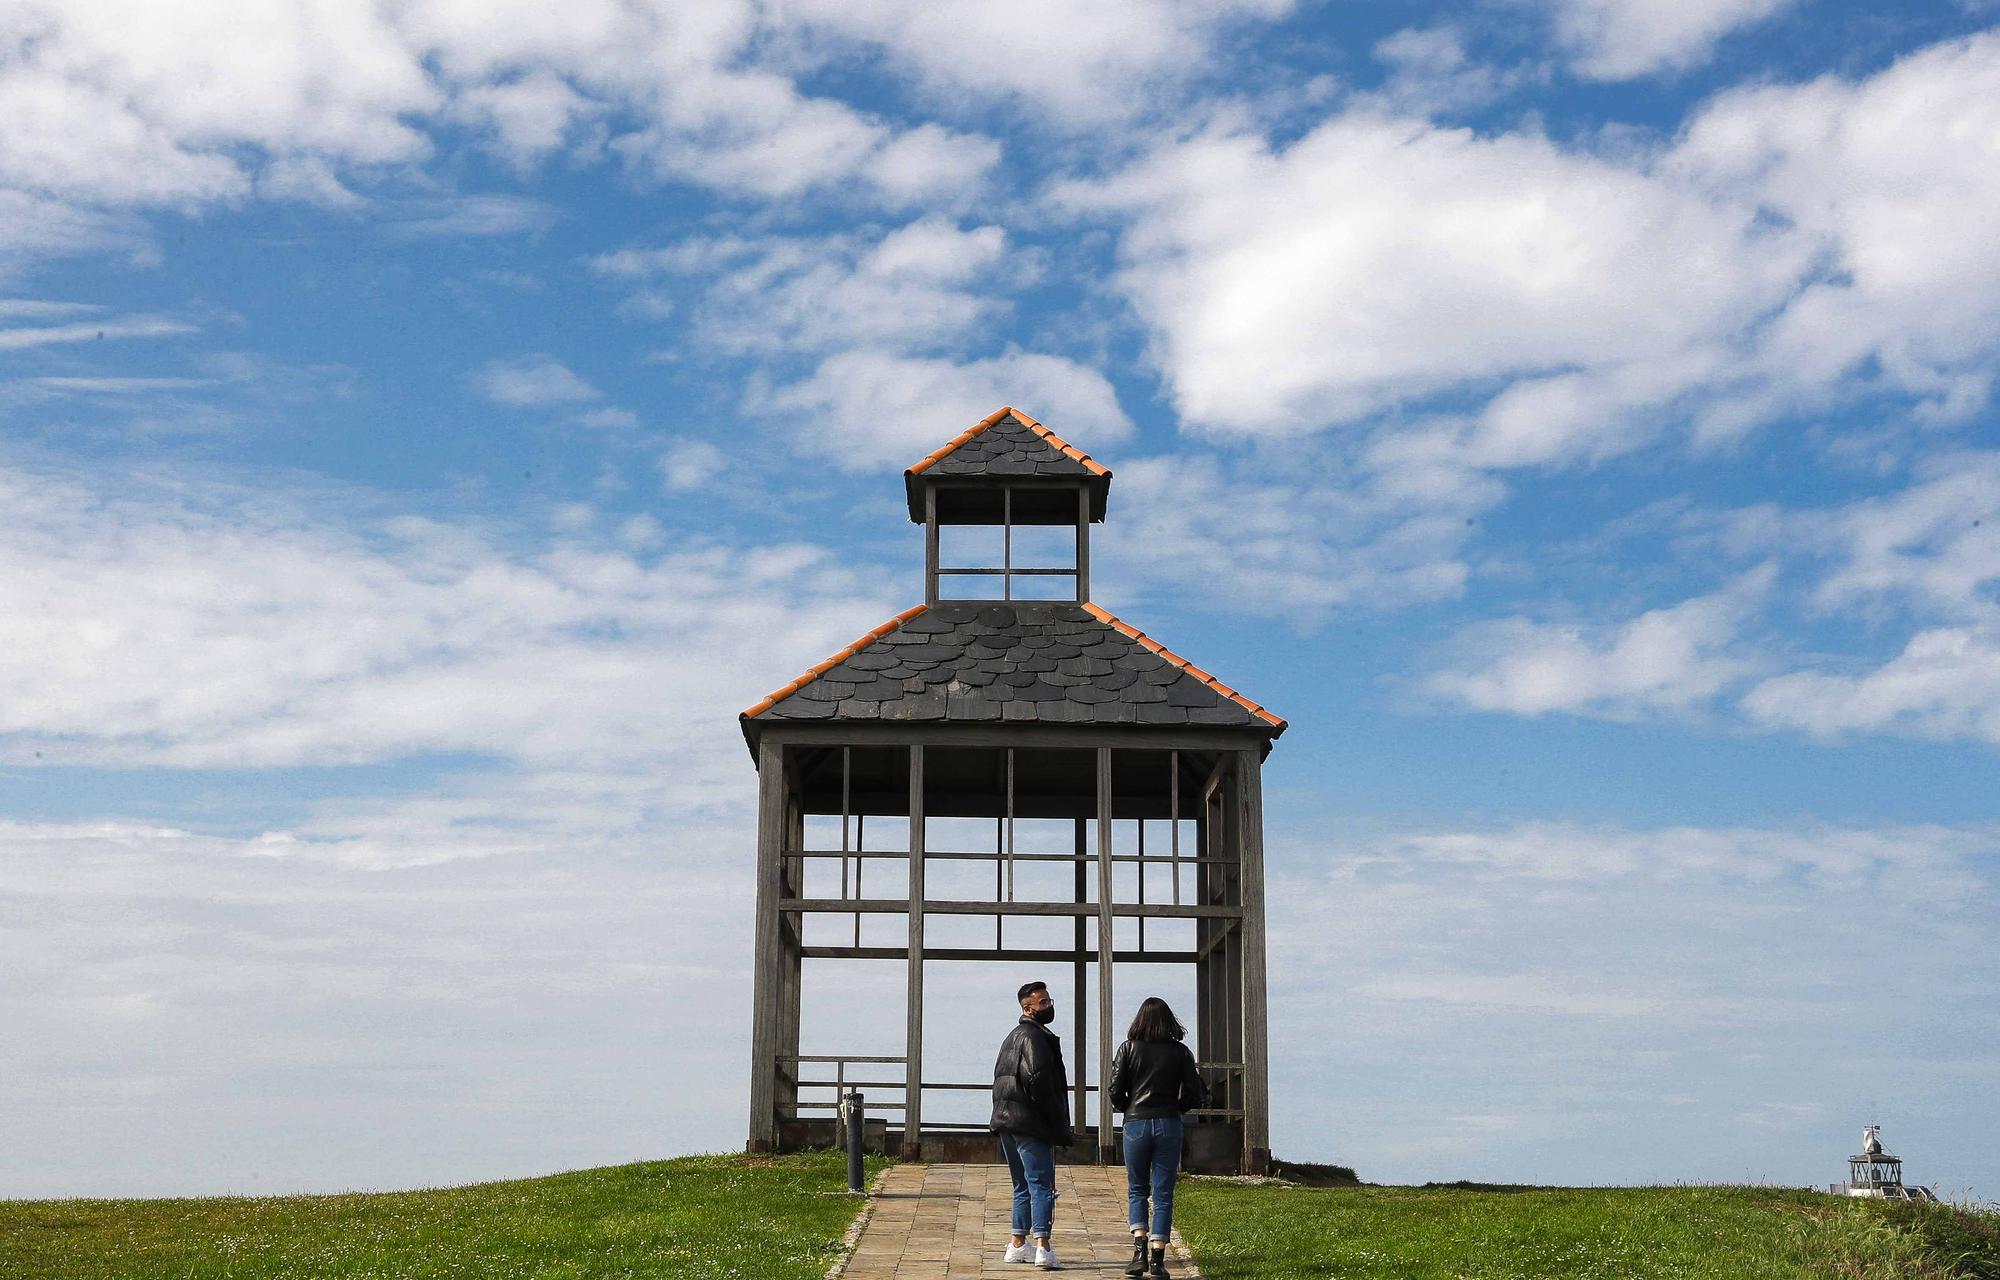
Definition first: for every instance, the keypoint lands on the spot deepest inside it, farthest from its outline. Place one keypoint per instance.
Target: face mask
(1044, 1015)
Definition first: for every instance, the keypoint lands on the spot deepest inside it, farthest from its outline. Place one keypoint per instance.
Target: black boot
(1137, 1267)
(1159, 1267)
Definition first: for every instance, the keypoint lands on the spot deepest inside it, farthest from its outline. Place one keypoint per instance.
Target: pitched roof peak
(1009, 414)
(1008, 445)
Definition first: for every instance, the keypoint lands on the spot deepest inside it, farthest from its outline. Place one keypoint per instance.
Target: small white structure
(1877, 1175)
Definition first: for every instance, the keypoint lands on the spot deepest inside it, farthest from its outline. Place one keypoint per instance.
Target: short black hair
(1028, 989)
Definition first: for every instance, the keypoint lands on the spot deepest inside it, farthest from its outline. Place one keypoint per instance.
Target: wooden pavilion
(1009, 702)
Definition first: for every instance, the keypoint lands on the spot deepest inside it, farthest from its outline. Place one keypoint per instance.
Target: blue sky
(427, 425)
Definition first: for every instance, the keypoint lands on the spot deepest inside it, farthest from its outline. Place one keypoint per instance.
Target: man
(1031, 1115)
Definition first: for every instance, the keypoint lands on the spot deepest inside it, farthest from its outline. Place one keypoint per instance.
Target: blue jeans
(1152, 1158)
(1032, 1166)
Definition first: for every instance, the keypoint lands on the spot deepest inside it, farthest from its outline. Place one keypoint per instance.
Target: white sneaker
(1022, 1252)
(1046, 1259)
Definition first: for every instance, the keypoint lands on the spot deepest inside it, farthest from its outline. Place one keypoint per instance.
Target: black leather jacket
(1154, 1079)
(1030, 1086)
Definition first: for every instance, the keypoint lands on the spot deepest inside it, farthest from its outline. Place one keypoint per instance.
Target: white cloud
(608, 418)
(1275, 543)
(1606, 977)
(1377, 260)
(925, 285)
(528, 117)
(869, 408)
(41, 308)
(16, 337)
(220, 629)
(1430, 72)
(308, 180)
(1665, 659)
(931, 163)
(1944, 684)
(530, 382)
(132, 102)
(127, 103)
(691, 464)
(1799, 246)
(1620, 39)
(890, 321)
(1074, 65)
(1888, 178)
(477, 215)
(1934, 545)
(364, 961)
(212, 1000)
(1925, 560)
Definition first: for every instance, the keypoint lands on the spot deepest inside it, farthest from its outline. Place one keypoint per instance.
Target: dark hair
(1028, 989)
(1155, 1021)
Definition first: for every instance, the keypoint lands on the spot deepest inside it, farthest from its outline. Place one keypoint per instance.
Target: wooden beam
(1079, 976)
(791, 971)
(1083, 543)
(930, 545)
(977, 855)
(1107, 956)
(765, 995)
(1219, 931)
(875, 733)
(1256, 1070)
(913, 1030)
(896, 906)
(1042, 955)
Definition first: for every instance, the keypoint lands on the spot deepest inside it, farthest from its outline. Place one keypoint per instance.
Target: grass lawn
(698, 1218)
(1240, 1231)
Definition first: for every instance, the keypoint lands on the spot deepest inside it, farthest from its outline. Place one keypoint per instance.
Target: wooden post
(1105, 1012)
(930, 545)
(766, 1011)
(913, 1030)
(1256, 1077)
(791, 947)
(1080, 979)
(1083, 543)
(1204, 930)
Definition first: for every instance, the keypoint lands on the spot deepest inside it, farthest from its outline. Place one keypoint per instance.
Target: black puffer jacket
(1030, 1086)
(1154, 1079)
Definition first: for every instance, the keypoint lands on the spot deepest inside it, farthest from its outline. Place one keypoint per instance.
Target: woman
(1153, 1080)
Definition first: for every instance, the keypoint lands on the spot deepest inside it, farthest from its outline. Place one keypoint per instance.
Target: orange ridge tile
(815, 671)
(1127, 629)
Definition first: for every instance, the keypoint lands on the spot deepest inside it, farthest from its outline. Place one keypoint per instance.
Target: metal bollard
(853, 1132)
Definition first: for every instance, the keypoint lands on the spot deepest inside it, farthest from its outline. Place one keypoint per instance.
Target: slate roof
(1008, 445)
(1042, 663)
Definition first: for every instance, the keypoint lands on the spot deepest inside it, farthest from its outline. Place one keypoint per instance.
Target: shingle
(870, 661)
(1189, 694)
(960, 706)
(799, 709)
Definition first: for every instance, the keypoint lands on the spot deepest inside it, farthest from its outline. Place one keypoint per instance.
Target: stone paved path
(949, 1222)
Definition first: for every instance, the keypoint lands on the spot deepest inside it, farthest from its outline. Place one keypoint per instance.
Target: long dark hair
(1155, 1021)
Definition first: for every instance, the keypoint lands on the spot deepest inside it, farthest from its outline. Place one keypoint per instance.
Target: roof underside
(1042, 663)
(1008, 445)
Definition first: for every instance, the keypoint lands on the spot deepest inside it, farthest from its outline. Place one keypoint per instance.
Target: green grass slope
(1267, 1232)
(699, 1218)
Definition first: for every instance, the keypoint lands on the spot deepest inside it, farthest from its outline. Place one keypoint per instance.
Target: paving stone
(951, 1222)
